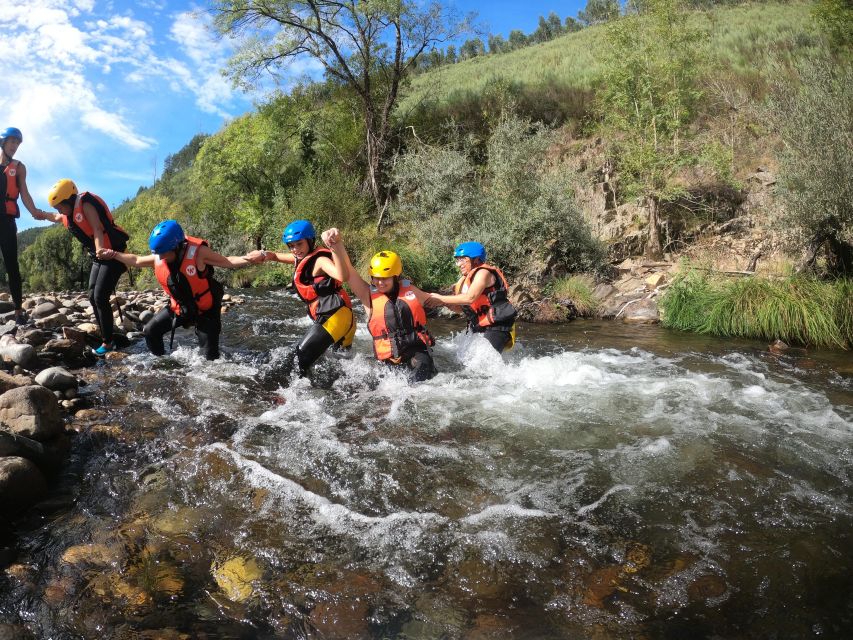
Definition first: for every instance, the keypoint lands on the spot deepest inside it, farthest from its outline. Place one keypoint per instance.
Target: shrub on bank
(578, 289)
(796, 309)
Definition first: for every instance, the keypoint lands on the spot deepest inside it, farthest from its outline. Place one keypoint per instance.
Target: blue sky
(104, 90)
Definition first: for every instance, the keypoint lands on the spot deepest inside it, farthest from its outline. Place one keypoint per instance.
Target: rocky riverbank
(43, 392)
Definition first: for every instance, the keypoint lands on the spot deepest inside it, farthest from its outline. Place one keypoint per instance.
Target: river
(601, 480)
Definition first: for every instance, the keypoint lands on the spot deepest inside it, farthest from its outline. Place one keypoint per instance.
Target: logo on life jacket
(191, 270)
(78, 217)
(12, 173)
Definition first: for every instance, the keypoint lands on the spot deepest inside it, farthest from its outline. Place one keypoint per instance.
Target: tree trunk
(653, 248)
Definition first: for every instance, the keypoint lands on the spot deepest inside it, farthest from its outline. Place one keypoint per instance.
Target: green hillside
(741, 39)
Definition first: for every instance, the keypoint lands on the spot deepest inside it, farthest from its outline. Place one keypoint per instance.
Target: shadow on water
(601, 480)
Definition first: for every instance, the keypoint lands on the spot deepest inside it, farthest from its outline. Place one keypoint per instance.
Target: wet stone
(706, 587)
(235, 576)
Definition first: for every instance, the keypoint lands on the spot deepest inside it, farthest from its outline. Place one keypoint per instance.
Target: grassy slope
(741, 38)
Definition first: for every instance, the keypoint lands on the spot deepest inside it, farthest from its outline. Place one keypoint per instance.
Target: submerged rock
(235, 577)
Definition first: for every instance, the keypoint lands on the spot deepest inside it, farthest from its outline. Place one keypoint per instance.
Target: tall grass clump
(578, 289)
(798, 310)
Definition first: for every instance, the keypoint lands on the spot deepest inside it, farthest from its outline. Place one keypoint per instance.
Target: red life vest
(12, 190)
(491, 307)
(199, 298)
(321, 293)
(114, 236)
(398, 327)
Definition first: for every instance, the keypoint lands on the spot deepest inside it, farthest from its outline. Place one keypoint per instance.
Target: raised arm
(336, 267)
(359, 287)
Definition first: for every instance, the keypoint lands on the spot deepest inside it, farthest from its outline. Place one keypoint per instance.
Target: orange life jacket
(398, 327)
(321, 293)
(12, 190)
(188, 288)
(491, 308)
(114, 236)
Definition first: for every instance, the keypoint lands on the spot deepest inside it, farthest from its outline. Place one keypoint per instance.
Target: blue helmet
(11, 132)
(165, 237)
(473, 250)
(298, 230)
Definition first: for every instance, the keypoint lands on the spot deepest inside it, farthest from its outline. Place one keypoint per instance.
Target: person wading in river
(183, 266)
(89, 219)
(396, 316)
(14, 185)
(317, 277)
(481, 294)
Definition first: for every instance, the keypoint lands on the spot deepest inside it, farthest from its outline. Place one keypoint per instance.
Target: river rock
(32, 412)
(6, 306)
(8, 381)
(33, 336)
(22, 354)
(643, 311)
(235, 577)
(9, 327)
(52, 322)
(44, 310)
(75, 335)
(57, 379)
(12, 444)
(21, 484)
(89, 328)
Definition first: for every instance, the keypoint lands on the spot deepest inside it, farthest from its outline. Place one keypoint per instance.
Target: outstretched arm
(207, 256)
(129, 259)
(258, 256)
(482, 279)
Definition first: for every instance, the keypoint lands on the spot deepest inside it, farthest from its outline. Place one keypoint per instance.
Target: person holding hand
(318, 277)
(183, 266)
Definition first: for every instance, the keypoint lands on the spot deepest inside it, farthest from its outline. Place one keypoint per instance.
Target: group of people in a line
(183, 266)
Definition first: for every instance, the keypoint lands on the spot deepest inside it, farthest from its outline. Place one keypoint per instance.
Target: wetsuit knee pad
(341, 326)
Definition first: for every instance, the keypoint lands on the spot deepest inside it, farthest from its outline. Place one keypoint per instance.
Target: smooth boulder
(21, 484)
(57, 379)
(31, 411)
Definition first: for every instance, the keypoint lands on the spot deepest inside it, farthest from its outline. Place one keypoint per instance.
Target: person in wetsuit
(88, 218)
(481, 294)
(13, 183)
(396, 315)
(183, 266)
(318, 277)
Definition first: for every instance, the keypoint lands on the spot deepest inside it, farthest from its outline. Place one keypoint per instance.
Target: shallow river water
(599, 481)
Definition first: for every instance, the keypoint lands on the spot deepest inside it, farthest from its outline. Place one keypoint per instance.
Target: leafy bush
(578, 289)
(525, 216)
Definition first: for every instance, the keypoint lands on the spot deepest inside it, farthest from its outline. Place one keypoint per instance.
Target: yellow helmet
(62, 190)
(385, 264)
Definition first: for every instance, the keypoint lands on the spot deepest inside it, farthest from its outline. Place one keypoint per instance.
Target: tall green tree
(649, 96)
(369, 47)
(599, 12)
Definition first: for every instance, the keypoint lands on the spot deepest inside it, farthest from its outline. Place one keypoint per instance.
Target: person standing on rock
(14, 185)
(89, 219)
(318, 277)
(183, 266)
(481, 294)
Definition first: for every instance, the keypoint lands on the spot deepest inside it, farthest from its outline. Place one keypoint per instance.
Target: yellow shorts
(341, 326)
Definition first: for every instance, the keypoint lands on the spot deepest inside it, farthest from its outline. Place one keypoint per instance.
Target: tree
(814, 116)
(517, 39)
(649, 96)
(572, 25)
(369, 47)
(55, 261)
(599, 12)
(450, 55)
(497, 44)
(472, 48)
